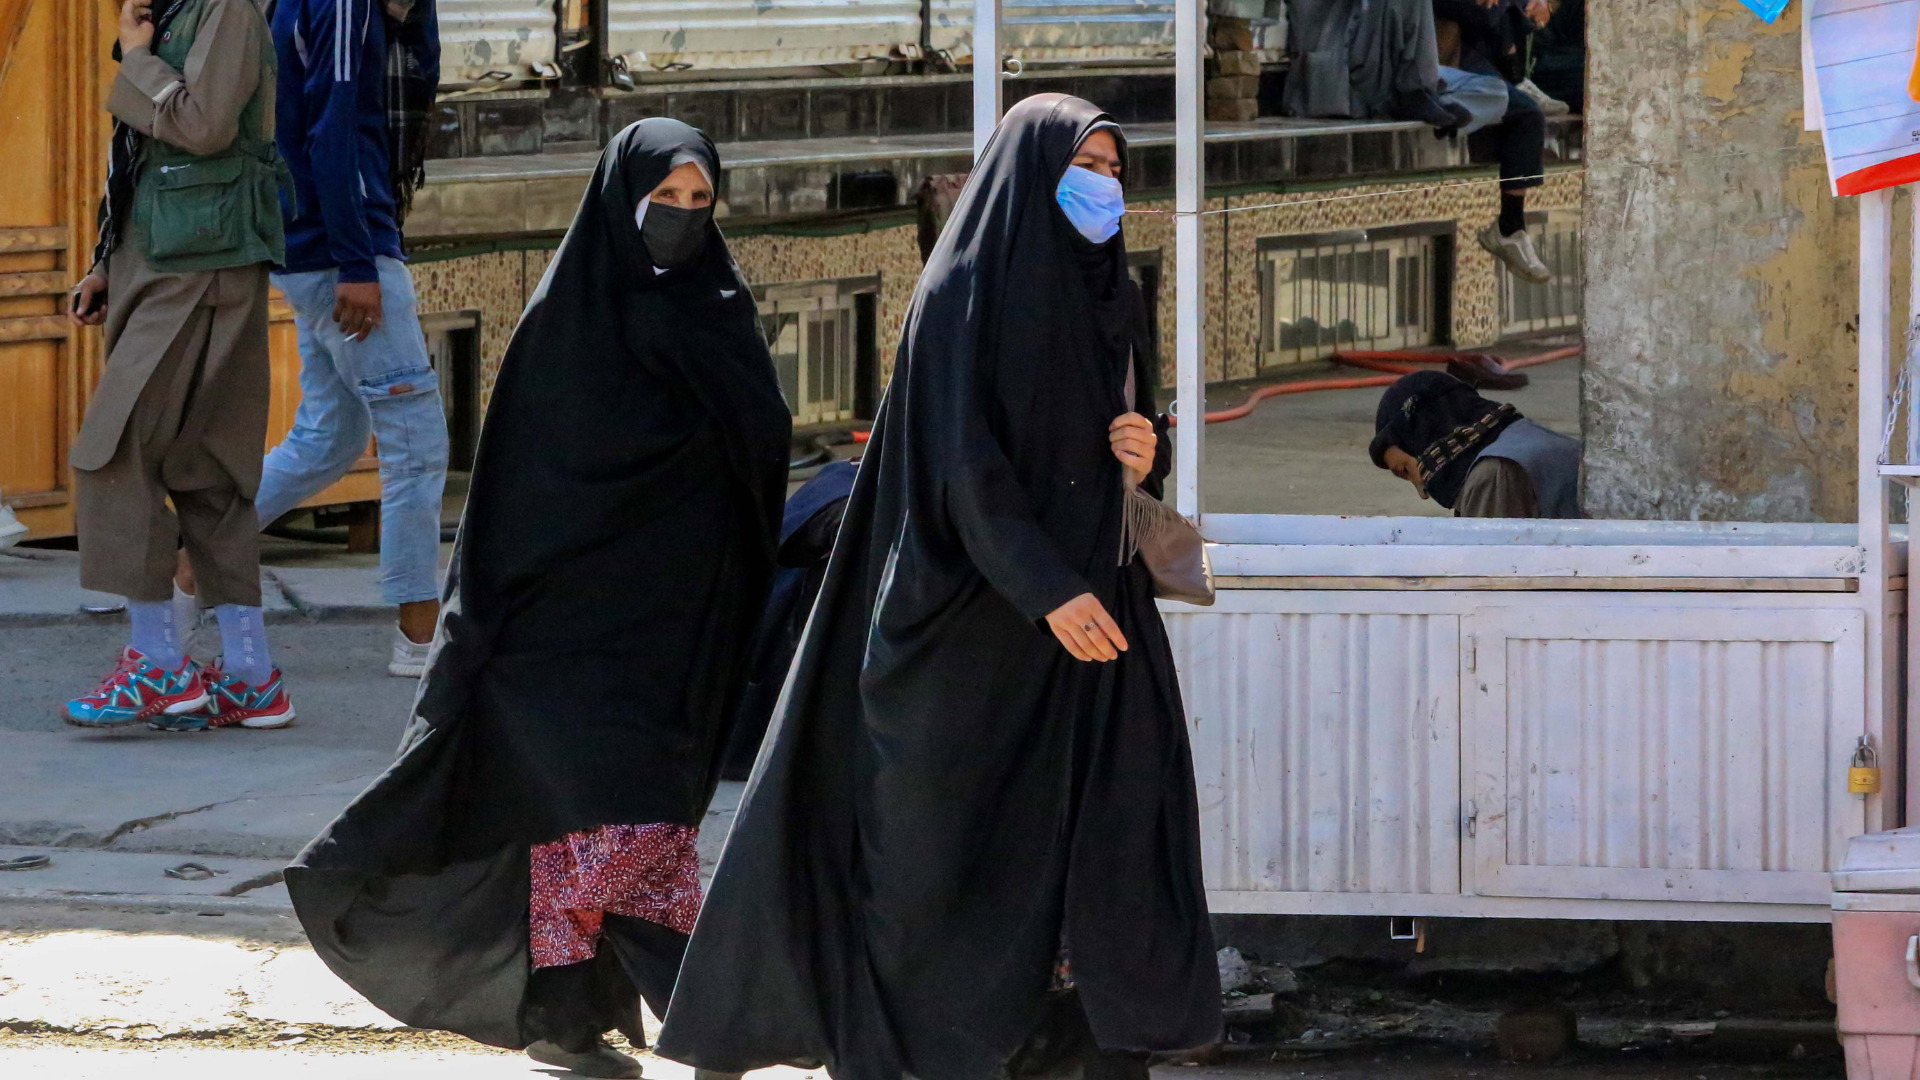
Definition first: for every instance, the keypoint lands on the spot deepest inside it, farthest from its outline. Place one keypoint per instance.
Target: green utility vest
(192, 212)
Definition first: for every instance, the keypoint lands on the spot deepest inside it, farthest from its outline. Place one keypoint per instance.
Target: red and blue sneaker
(139, 690)
(230, 703)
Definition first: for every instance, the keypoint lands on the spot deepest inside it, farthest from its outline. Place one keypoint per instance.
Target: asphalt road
(21, 1059)
(1307, 453)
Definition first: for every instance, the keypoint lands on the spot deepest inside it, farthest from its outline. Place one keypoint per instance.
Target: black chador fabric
(807, 531)
(605, 587)
(947, 797)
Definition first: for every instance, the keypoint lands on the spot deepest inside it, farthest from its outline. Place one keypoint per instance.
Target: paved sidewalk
(102, 940)
(40, 587)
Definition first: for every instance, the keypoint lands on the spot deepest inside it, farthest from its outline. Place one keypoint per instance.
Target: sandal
(193, 871)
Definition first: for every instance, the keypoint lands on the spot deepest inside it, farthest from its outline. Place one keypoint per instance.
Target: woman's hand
(1540, 11)
(1084, 627)
(1133, 442)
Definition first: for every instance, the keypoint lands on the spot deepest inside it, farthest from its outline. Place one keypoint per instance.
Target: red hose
(1398, 363)
(1402, 362)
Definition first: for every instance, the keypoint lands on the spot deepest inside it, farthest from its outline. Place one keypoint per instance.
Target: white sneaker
(409, 657)
(1550, 105)
(11, 530)
(1517, 252)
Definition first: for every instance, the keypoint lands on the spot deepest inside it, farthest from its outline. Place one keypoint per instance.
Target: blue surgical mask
(1092, 202)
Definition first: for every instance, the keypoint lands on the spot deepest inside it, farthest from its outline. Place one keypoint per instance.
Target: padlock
(1863, 777)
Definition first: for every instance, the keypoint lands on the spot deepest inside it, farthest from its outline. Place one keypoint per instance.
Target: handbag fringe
(1138, 522)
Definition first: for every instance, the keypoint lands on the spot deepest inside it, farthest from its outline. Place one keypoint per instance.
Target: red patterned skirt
(648, 872)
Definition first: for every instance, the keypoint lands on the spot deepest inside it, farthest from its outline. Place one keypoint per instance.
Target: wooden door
(55, 66)
(53, 139)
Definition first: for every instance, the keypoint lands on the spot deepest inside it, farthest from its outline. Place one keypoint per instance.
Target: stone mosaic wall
(893, 253)
(498, 284)
(1232, 286)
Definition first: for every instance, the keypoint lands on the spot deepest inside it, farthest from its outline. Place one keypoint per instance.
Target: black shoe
(1445, 118)
(597, 1060)
(635, 1030)
(1457, 117)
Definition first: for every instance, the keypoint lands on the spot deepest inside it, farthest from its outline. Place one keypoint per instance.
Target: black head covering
(623, 390)
(599, 615)
(944, 794)
(1441, 421)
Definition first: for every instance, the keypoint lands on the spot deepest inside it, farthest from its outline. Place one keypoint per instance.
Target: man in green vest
(169, 454)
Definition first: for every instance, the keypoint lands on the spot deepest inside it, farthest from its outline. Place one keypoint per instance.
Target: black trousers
(574, 1005)
(1519, 140)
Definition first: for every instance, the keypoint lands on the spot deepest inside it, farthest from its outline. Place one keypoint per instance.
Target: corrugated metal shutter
(496, 40)
(1045, 30)
(722, 34)
(1325, 750)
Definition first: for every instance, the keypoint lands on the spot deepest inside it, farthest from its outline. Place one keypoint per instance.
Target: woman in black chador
(526, 871)
(970, 845)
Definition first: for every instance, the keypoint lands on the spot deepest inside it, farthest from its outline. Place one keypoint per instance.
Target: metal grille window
(1378, 289)
(1554, 305)
(819, 336)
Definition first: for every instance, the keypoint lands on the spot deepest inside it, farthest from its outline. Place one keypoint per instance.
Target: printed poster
(1863, 55)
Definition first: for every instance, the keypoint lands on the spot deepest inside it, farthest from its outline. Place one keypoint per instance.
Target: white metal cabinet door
(1326, 748)
(1649, 753)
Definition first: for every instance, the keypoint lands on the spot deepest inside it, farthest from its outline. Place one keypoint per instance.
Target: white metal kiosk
(1578, 719)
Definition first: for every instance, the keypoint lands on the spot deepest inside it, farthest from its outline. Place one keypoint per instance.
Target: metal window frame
(1384, 241)
(1565, 295)
(460, 388)
(848, 381)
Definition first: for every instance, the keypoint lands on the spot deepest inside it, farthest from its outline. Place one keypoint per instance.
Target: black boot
(1421, 105)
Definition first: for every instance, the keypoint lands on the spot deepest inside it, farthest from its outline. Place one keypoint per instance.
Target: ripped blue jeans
(383, 387)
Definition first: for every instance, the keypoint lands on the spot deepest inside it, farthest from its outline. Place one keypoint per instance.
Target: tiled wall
(498, 284)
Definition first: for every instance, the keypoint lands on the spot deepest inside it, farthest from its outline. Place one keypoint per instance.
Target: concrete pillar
(1721, 302)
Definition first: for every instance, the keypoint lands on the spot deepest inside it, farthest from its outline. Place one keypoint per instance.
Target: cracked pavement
(102, 948)
(232, 792)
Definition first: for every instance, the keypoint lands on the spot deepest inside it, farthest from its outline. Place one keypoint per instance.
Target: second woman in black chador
(965, 850)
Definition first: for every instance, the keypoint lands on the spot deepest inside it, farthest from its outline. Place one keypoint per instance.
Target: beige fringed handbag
(1172, 549)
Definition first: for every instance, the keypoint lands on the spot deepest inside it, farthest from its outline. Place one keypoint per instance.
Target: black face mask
(674, 237)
